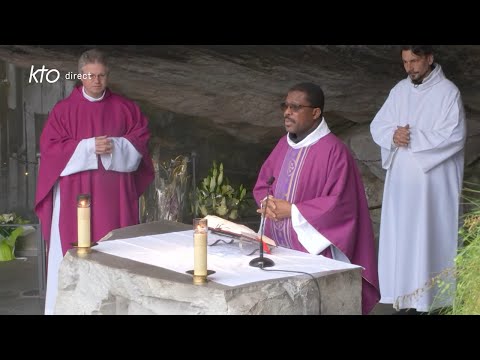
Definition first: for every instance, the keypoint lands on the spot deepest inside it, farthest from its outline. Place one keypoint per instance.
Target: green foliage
(467, 262)
(9, 234)
(215, 195)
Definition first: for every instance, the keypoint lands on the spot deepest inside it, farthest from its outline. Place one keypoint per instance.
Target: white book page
(217, 223)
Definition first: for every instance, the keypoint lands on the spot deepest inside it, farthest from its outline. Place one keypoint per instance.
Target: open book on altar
(228, 228)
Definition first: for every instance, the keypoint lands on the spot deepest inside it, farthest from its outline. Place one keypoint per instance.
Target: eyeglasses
(295, 107)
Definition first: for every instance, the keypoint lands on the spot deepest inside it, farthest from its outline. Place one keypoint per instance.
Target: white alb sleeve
(309, 237)
(124, 157)
(84, 158)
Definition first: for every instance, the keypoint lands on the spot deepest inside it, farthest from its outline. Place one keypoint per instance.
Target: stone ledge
(105, 284)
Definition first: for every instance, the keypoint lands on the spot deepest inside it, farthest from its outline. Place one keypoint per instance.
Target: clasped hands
(277, 209)
(401, 136)
(103, 145)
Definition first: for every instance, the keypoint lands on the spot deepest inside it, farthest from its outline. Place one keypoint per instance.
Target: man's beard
(418, 80)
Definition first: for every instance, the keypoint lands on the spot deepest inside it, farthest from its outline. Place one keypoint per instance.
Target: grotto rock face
(238, 87)
(222, 101)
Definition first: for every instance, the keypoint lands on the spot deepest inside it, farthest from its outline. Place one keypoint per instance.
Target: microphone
(261, 261)
(270, 182)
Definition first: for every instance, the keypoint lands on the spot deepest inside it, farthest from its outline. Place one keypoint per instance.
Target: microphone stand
(262, 262)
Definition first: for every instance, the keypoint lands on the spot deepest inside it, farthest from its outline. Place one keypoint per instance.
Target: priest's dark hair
(93, 56)
(419, 50)
(314, 93)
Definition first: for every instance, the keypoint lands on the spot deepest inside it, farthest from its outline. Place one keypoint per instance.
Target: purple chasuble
(114, 195)
(324, 183)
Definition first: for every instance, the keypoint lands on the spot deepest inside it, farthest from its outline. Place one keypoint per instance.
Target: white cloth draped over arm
(431, 147)
(311, 239)
(124, 157)
(84, 158)
(383, 127)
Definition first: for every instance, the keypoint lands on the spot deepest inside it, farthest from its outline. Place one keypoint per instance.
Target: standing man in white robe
(421, 131)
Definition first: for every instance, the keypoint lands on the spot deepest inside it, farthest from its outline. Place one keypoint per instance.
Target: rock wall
(221, 101)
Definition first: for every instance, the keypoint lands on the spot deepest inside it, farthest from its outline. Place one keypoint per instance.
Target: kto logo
(51, 75)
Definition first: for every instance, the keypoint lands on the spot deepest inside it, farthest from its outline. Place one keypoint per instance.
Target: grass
(467, 262)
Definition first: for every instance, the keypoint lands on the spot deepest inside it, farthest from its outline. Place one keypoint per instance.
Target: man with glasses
(94, 142)
(421, 131)
(318, 203)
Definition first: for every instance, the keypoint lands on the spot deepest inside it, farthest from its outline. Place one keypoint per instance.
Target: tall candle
(83, 220)
(200, 230)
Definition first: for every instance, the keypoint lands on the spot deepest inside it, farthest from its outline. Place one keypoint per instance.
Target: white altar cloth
(174, 251)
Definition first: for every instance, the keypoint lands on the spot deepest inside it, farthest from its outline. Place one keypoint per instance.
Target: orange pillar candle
(83, 220)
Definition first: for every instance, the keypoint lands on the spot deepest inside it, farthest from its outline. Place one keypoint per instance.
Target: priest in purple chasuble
(317, 203)
(94, 142)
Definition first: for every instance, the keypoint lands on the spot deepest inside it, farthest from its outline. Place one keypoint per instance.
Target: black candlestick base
(261, 262)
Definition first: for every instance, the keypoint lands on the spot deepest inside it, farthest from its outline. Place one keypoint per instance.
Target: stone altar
(100, 283)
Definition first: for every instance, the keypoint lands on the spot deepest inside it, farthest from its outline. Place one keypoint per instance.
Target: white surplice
(420, 211)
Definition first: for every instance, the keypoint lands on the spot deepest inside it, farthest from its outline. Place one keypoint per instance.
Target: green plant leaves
(215, 195)
(9, 235)
(6, 252)
(467, 262)
(233, 214)
(7, 244)
(12, 238)
(213, 184)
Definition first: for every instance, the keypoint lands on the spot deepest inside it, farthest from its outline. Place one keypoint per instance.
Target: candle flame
(200, 226)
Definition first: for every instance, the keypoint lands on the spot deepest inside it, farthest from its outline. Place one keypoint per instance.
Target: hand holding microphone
(268, 207)
(276, 209)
